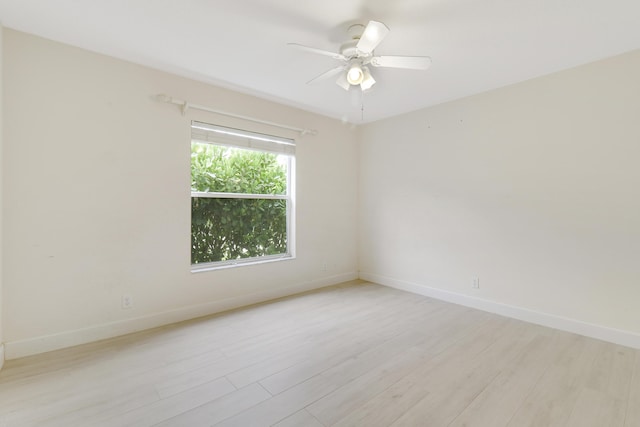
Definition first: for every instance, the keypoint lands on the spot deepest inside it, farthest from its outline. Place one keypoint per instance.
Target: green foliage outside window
(225, 229)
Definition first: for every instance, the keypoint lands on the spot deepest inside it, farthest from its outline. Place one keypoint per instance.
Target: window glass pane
(222, 169)
(228, 229)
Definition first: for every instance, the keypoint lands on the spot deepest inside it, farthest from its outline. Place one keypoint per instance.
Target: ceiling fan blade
(333, 55)
(327, 74)
(408, 62)
(372, 36)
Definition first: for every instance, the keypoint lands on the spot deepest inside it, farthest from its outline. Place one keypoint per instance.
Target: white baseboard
(1, 355)
(616, 336)
(42, 344)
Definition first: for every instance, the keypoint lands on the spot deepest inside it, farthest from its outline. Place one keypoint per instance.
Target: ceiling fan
(357, 54)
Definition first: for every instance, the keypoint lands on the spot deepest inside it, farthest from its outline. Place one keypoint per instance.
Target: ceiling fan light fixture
(342, 81)
(367, 80)
(355, 75)
(357, 56)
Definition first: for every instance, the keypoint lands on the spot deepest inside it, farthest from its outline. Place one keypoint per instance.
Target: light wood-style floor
(351, 355)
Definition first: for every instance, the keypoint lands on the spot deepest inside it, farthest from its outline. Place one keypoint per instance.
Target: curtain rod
(185, 105)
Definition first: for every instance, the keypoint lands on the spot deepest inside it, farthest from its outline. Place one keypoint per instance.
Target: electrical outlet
(476, 283)
(127, 301)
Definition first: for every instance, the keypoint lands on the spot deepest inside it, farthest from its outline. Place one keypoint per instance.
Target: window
(241, 196)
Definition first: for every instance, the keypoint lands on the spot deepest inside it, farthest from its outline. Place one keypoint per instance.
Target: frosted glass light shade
(355, 75)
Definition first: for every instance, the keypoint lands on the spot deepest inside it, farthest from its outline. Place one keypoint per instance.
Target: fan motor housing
(348, 49)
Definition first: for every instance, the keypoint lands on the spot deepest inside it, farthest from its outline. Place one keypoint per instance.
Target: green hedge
(225, 229)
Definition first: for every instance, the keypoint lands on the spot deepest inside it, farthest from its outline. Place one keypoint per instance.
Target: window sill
(211, 266)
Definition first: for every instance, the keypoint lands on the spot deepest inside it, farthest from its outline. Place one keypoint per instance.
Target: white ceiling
(476, 45)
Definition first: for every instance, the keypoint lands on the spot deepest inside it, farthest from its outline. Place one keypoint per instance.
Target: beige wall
(97, 199)
(1, 198)
(533, 188)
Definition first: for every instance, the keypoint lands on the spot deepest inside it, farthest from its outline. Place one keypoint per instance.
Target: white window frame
(205, 133)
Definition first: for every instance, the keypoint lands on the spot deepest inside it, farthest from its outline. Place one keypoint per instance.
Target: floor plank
(632, 417)
(299, 419)
(219, 409)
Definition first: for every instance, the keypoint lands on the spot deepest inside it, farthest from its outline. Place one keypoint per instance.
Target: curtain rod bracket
(185, 105)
